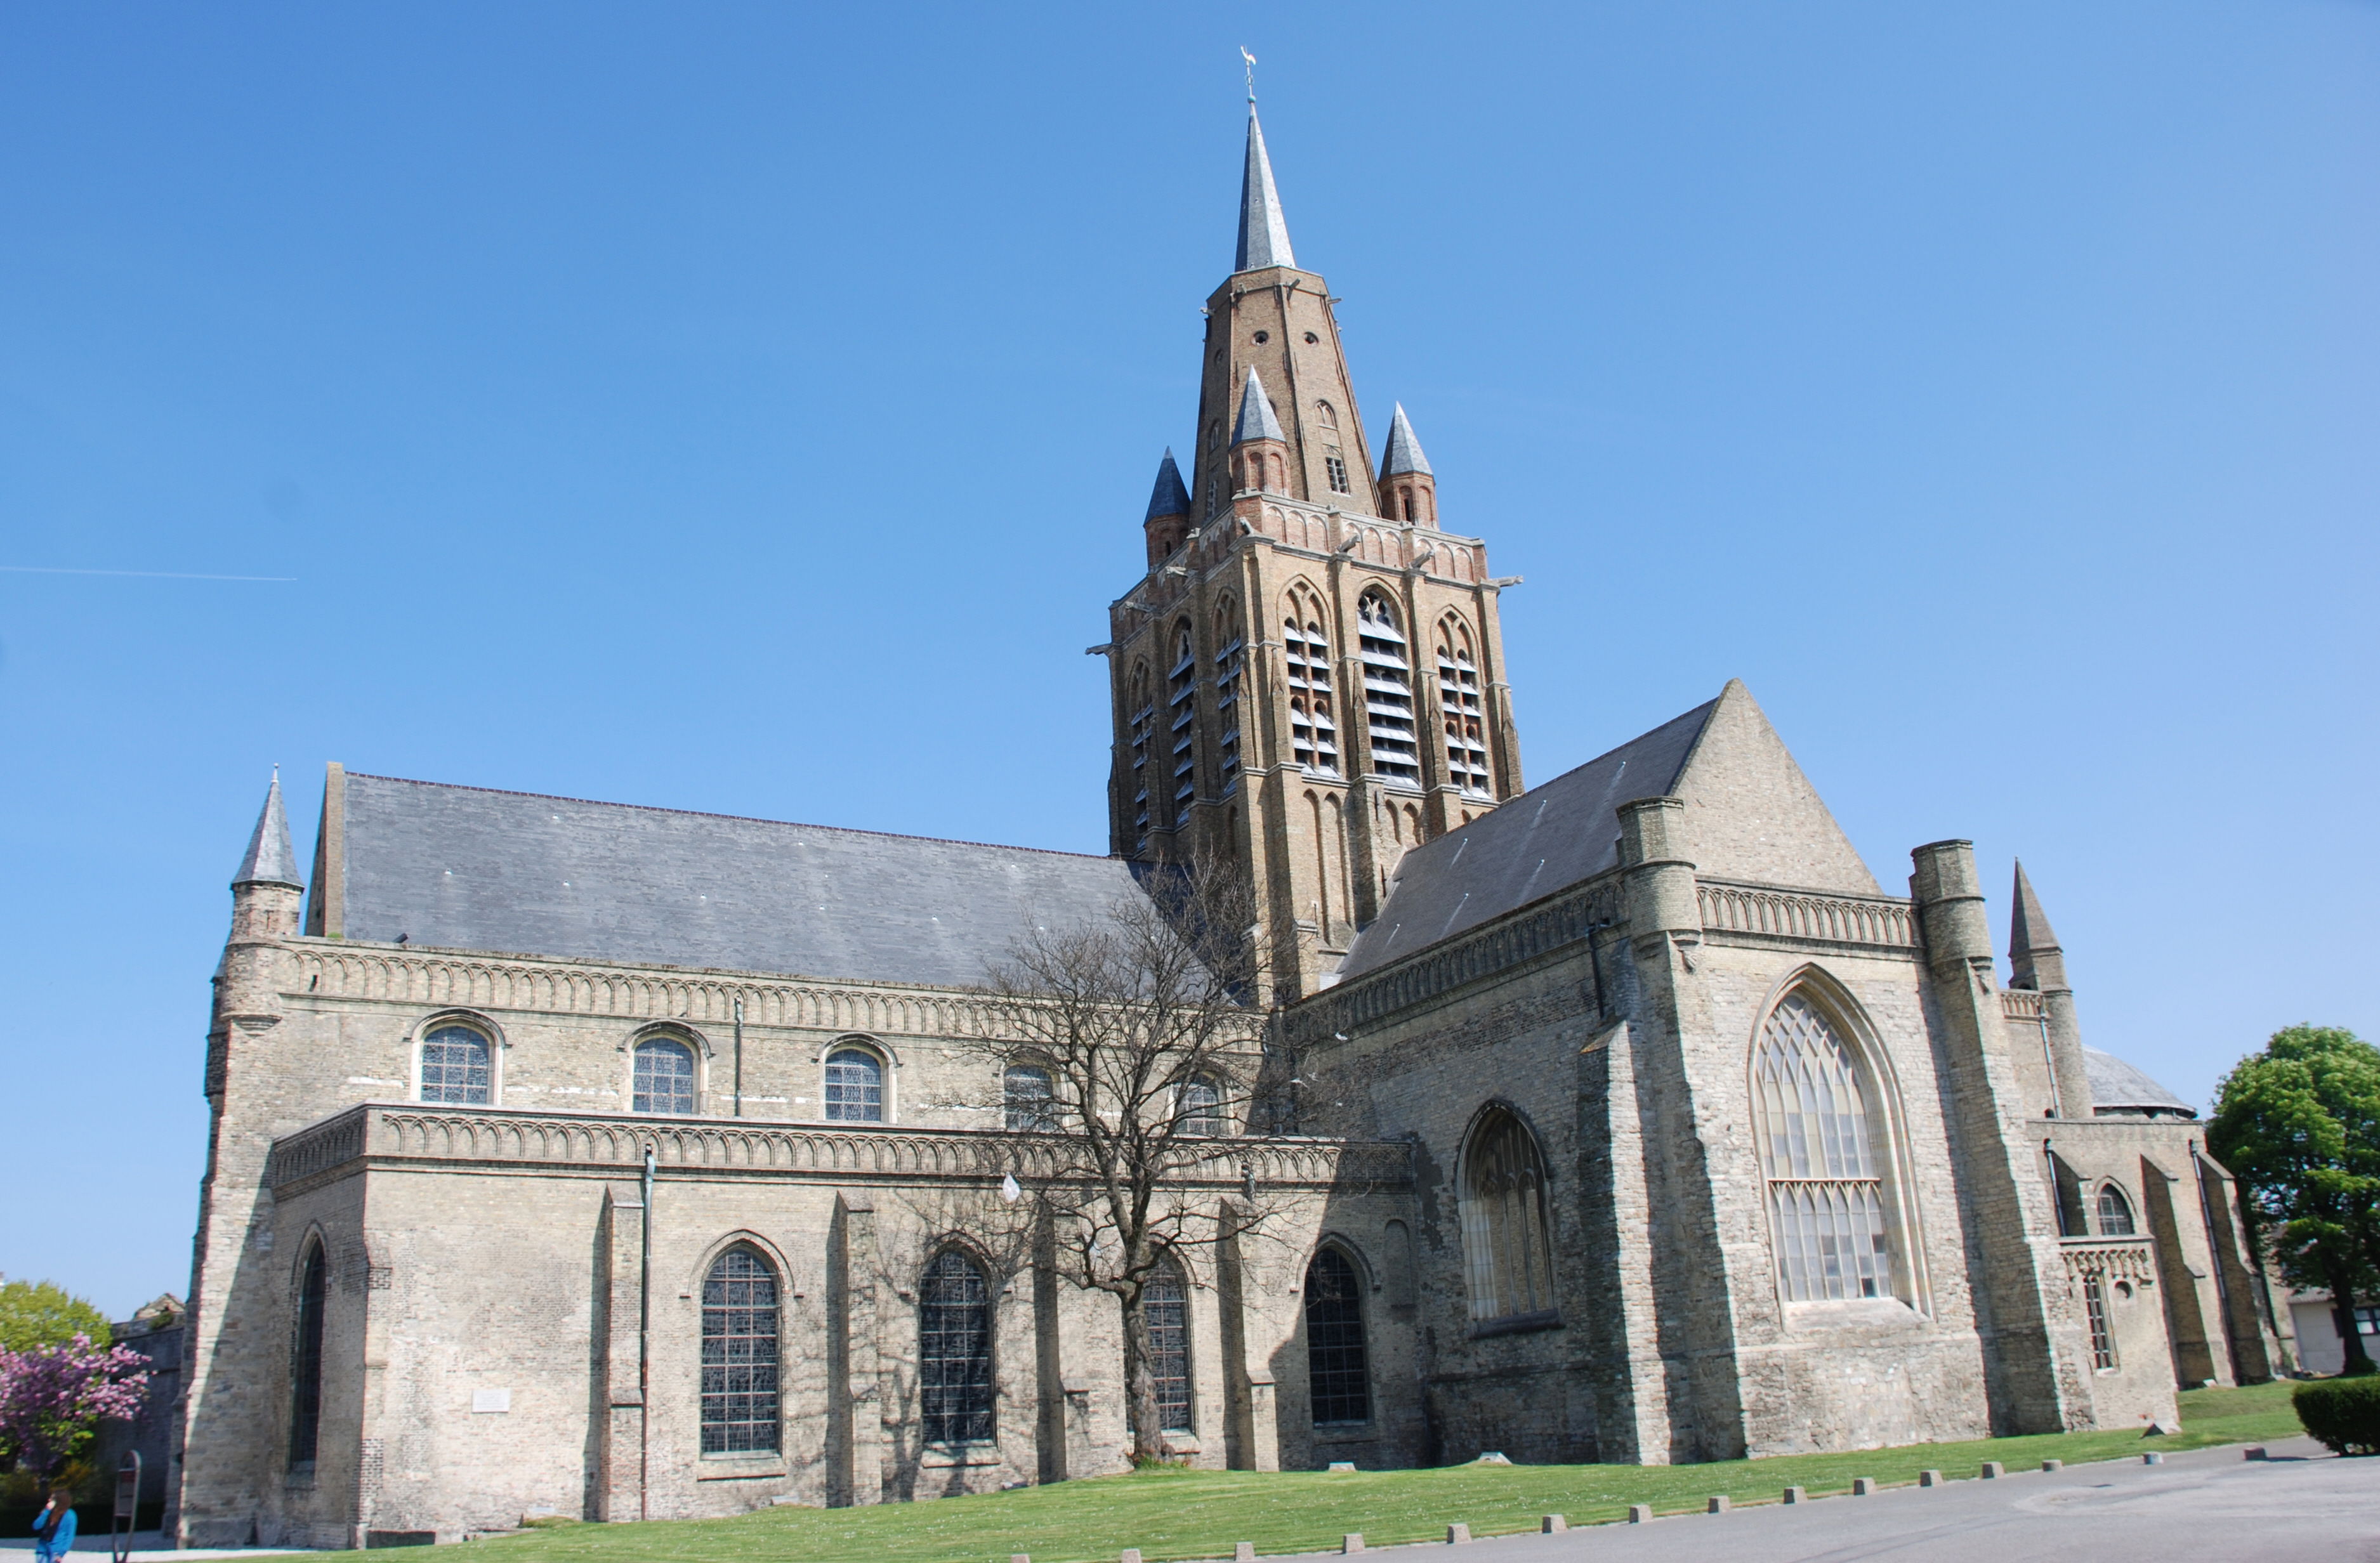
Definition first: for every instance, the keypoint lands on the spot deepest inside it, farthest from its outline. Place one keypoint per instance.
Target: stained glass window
(854, 1085)
(739, 1355)
(454, 1065)
(1027, 1105)
(1336, 1376)
(1819, 1150)
(1165, 1302)
(954, 1352)
(664, 1076)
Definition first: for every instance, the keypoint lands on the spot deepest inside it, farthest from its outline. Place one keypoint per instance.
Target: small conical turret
(2036, 963)
(1256, 420)
(1264, 232)
(1259, 449)
(2034, 957)
(270, 860)
(1408, 488)
(1168, 521)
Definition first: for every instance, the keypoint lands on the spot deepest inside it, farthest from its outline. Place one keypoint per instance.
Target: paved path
(2209, 1506)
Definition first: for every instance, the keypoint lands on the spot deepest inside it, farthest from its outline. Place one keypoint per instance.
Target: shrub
(2343, 1414)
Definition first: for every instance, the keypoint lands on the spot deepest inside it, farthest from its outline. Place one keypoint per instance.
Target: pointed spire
(1264, 232)
(1404, 451)
(1170, 497)
(270, 860)
(1257, 420)
(2029, 929)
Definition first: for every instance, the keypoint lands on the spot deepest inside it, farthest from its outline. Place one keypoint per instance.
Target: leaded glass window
(854, 1085)
(1201, 1110)
(306, 1360)
(954, 1352)
(664, 1081)
(1506, 1253)
(1819, 1151)
(739, 1355)
(1338, 1380)
(1165, 1303)
(1027, 1104)
(455, 1065)
(2114, 1212)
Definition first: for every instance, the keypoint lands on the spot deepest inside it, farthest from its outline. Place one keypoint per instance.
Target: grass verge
(1190, 1514)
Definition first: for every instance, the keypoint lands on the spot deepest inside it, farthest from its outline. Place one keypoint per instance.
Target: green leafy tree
(35, 1314)
(2299, 1124)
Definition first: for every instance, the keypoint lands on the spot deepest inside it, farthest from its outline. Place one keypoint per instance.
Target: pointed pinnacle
(1404, 451)
(2029, 929)
(1264, 232)
(270, 860)
(1170, 497)
(1256, 420)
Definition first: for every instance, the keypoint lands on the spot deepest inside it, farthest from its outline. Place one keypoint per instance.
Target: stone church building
(577, 1158)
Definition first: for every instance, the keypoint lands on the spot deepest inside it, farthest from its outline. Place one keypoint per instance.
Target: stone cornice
(1735, 911)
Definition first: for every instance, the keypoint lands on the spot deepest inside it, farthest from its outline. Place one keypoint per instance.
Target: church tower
(1310, 677)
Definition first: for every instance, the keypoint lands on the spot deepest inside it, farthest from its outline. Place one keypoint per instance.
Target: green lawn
(1181, 1514)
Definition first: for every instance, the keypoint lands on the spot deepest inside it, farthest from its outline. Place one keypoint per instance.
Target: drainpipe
(645, 1352)
(739, 1057)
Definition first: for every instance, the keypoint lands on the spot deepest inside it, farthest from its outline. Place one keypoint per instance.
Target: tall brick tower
(1310, 677)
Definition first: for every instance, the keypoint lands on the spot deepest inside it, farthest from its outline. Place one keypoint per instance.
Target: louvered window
(1313, 737)
(1141, 726)
(1182, 723)
(1229, 656)
(1459, 705)
(1388, 692)
(1819, 1149)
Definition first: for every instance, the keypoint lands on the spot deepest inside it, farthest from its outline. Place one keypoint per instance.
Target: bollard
(1639, 1512)
(1862, 1486)
(1796, 1495)
(1991, 1470)
(1929, 1478)
(1457, 1534)
(1243, 1552)
(1553, 1525)
(1717, 1504)
(2254, 1452)
(1351, 1544)
(2152, 1459)
(2053, 1465)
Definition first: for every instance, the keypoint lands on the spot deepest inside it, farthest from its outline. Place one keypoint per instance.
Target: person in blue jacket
(53, 1532)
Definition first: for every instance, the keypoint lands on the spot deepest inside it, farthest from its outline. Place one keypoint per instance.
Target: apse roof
(2116, 1084)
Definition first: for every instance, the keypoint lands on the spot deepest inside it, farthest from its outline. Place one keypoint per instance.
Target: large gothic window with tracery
(1182, 723)
(1458, 707)
(1507, 1249)
(1313, 736)
(1388, 690)
(1821, 1148)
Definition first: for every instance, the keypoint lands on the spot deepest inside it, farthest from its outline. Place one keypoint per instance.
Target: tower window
(739, 1355)
(1229, 655)
(1388, 691)
(1311, 339)
(1263, 337)
(1313, 740)
(664, 1076)
(455, 1065)
(1182, 724)
(1336, 467)
(954, 1352)
(854, 1086)
(1337, 1378)
(1460, 710)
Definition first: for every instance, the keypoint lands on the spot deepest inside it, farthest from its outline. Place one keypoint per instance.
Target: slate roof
(1257, 420)
(1264, 232)
(1546, 840)
(1170, 497)
(1404, 450)
(471, 868)
(269, 860)
(2114, 1084)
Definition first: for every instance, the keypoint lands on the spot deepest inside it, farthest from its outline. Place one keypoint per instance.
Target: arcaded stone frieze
(2021, 1004)
(2132, 1258)
(1801, 917)
(333, 969)
(394, 1133)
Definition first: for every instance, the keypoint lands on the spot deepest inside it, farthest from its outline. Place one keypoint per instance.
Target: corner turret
(2037, 963)
(1168, 521)
(1259, 449)
(1408, 488)
(266, 890)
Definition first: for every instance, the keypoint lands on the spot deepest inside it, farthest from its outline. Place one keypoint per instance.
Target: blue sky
(749, 408)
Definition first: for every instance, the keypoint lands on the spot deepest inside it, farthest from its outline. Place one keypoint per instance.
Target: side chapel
(576, 1158)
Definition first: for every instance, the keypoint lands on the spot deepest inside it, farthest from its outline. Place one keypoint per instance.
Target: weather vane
(1252, 74)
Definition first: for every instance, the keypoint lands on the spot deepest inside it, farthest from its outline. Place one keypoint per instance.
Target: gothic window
(1200, 1109)
(1165, 1304)
(954, 1352)
(2094, 1309)
(854, 1085)
(1182, 722)
(1027, 1105)
(1388, 691)
(1458, 707)
(1336, 466)
(455, 1065)
(1507, 1253)
(1821, 1151)
(1324, 413)
(306, 1359)
(739, 1355)
(1338, 1381)
(1140, 725)
(2114, 1212)
(1313, 737)
(1229, 656)
(664, 1076)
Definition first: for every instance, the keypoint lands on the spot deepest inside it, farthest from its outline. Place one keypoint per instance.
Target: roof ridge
(743, 818)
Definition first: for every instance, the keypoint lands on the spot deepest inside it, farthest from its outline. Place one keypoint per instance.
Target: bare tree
(1144, 1032)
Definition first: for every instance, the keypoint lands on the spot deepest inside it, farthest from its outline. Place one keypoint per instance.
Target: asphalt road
(2209, 1506)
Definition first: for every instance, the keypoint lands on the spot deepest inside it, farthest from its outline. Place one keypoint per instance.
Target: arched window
(1326, 415)
(1140, 722)
(1459, 705)
(1821, 1150)
(1165, 1302)
(1388, 690)
(1313, 737)
(1230, 650)
(664, 1076)
(1200, 1108)
(954, 1352)
(2114, 1212)
(306, 1359)
(1506, 1253)
(1182, 722)
(854, 1086)
(739, 1355)
(1027, 1105)
(455, 1065)
(1338, 1380)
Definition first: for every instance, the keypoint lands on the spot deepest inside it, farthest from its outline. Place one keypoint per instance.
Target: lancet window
(2114, 1212)
(1338, 1379)
(1507, 1249)
(664, 1076)
(1165, 1303)
(1821, 1146)
(1140, 725)
(1313, 736)
(1388, 691)
(739, 1355)
(1182, 722)
(1231, 655)
(455, 1065)
(306, 1359)
(2095, 1310)
(1458, 707)
(954, 1352)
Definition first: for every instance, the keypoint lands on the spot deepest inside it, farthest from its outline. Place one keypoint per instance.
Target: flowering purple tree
(53, 1397)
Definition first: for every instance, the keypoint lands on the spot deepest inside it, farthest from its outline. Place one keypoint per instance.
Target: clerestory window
(854, 1086)
(455, 1065)
(1199, 1108)
(1029, 1106)
(1821, 1150)
(664, 1076)
(1388, 691)
(2114, 1212)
